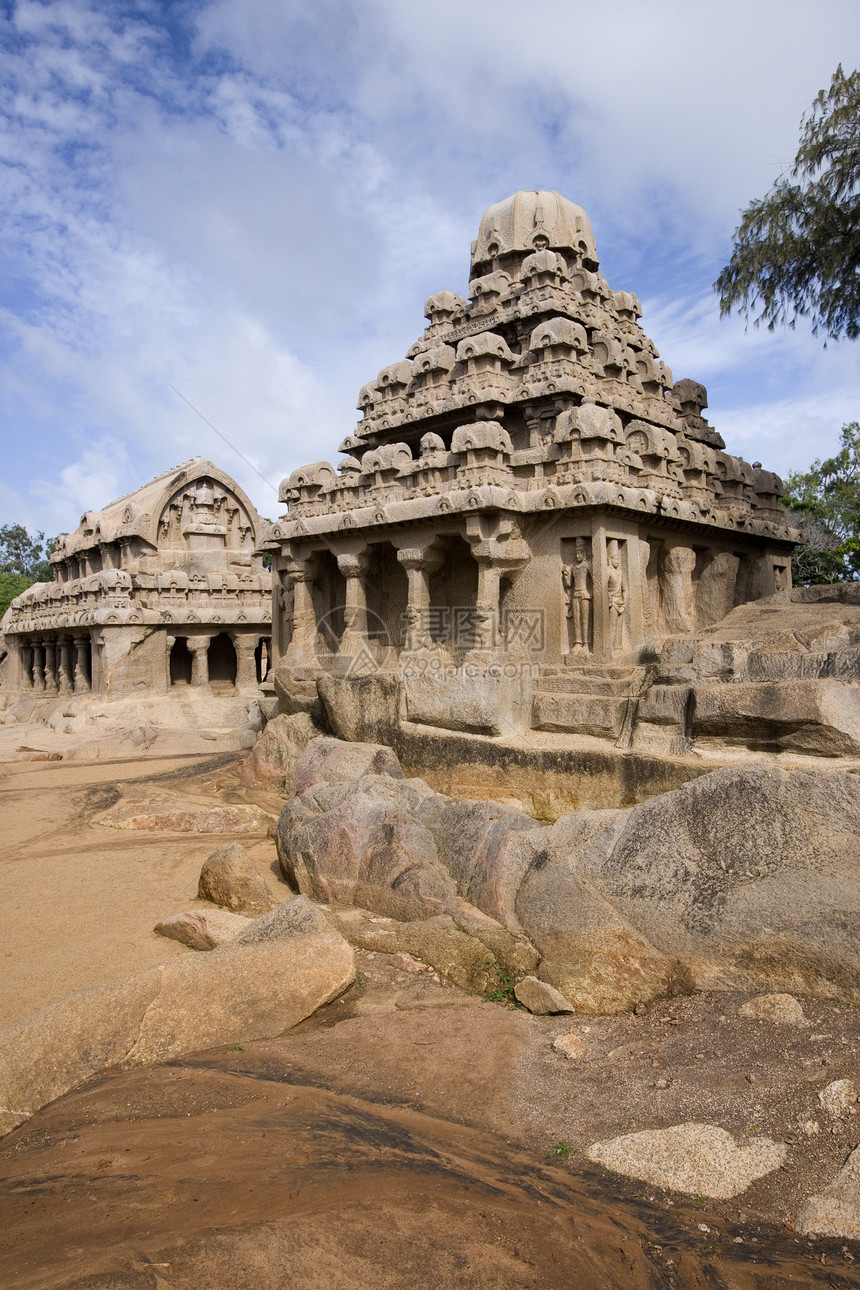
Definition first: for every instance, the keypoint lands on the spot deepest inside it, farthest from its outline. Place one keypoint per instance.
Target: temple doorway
(180, 662)
(222, 663)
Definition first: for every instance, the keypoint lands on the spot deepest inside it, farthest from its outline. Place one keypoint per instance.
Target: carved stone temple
(160, 591)
(530, 524)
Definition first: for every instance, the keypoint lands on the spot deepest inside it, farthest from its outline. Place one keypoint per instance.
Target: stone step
(596, 682)
(590, 714)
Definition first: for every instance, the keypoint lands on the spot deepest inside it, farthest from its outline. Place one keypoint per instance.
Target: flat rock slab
(284, 966)
(783, 1009)
(168, 813)
(203, 929)
(699, 1159)
(836, 1210)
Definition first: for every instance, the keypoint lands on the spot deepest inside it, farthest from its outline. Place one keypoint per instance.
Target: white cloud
(259, 220)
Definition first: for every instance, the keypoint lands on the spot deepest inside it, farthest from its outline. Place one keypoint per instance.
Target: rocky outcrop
(333, 761)
(699, 1159)
(283, 967)
(230, 878)
(273, 759)
(748, 876)
(742, 878)
(360, 843)
(469, 950)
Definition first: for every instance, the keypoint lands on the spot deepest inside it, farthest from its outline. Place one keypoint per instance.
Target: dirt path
(258, 1171)
(80, 900)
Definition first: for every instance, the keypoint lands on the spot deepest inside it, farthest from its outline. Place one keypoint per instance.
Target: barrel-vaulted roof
(137, 514)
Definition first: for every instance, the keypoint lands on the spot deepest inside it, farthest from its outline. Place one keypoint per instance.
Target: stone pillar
(25, 654)
(419, 562)
(199, 649)
(246, 664)
(301, 651)
(487, 604)
(16, 664)
(354, 567)
(82, 680)
(599, 604)
(64, 669)
(169, 642)
(498, 548)
(38, 667)
(51, 666)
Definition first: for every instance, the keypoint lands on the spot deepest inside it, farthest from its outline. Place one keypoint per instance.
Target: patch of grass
(503, 991)
(562, 1150)
(360, 978)
(236, 1048)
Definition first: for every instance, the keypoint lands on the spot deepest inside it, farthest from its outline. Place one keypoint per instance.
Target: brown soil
(80, 900)
(405, 1136)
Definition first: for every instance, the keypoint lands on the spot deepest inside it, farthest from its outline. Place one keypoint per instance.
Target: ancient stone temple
(160, 590)
(530, 516)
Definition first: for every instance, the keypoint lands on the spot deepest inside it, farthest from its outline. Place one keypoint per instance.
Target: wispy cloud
(253, 199)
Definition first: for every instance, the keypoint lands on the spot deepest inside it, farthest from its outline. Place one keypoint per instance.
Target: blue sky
(251, 199)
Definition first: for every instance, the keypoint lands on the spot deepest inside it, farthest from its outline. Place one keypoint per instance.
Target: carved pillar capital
(354, 564)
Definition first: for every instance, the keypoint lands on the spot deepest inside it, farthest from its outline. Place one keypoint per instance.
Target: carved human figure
(616, 596)
(577, 585)
(676, 589)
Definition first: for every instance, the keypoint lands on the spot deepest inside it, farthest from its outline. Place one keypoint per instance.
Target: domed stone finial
(532, 221)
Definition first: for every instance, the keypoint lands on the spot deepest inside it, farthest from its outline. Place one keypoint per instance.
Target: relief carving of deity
(616, 596)
(577, 586)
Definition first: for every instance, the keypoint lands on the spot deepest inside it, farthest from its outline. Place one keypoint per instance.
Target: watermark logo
(437, 640)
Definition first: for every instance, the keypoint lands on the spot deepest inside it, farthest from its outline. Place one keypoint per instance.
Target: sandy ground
(80, 900)
(408, 1135)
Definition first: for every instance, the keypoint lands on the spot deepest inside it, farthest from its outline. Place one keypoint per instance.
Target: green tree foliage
(796, 252)
(824, 503)
(23, 561)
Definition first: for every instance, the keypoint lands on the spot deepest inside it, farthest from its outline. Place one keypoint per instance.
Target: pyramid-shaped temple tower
(529, 519)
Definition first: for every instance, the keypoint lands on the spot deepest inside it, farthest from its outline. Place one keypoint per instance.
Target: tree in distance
(796, 252)
(23, 561)
(824, 503)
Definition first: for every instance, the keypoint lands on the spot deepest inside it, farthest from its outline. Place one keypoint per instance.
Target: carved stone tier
(528, 493)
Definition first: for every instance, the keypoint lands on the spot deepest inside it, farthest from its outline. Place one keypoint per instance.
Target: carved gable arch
(202, 498)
